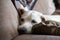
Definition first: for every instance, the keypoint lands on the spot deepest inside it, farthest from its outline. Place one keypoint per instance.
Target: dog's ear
(43, 19)
(20, 11)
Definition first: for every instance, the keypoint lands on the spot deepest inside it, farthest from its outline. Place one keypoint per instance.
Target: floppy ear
(20, 11)
(43, 19)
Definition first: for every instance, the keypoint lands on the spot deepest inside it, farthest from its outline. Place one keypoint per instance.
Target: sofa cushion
(37, 37)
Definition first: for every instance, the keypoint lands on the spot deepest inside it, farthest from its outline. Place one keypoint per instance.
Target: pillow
(45, 6)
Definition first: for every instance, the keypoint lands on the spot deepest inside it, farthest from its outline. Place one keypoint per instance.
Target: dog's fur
(31, 17)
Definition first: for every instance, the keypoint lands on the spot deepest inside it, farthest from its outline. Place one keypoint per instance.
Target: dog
(29, 18)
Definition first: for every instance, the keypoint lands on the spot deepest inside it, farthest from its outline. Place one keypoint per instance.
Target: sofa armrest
(8, 20)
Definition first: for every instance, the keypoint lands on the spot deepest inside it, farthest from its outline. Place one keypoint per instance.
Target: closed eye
(22, 19)
(33, 21)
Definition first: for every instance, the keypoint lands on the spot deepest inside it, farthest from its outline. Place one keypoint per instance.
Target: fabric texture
(45, 6)
(8, 20)
(37, 37)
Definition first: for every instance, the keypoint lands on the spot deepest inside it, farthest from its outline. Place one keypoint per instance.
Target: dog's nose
(22, 30)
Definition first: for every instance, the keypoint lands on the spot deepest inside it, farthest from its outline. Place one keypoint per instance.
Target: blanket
(47, 28)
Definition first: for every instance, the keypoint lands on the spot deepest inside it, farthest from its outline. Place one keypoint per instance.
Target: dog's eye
(33, 21)
(22, 19)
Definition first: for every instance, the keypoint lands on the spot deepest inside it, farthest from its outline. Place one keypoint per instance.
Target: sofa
(9, 25)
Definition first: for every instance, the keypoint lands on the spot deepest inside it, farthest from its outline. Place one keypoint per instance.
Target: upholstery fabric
(8, 20)
(45, 6)
(37, 37)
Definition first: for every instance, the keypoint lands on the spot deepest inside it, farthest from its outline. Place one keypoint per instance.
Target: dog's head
(29, 19)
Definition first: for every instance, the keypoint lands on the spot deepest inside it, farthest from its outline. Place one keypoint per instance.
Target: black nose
(22, 30)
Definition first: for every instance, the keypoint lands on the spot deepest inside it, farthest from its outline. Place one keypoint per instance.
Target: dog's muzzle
(22, 30)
